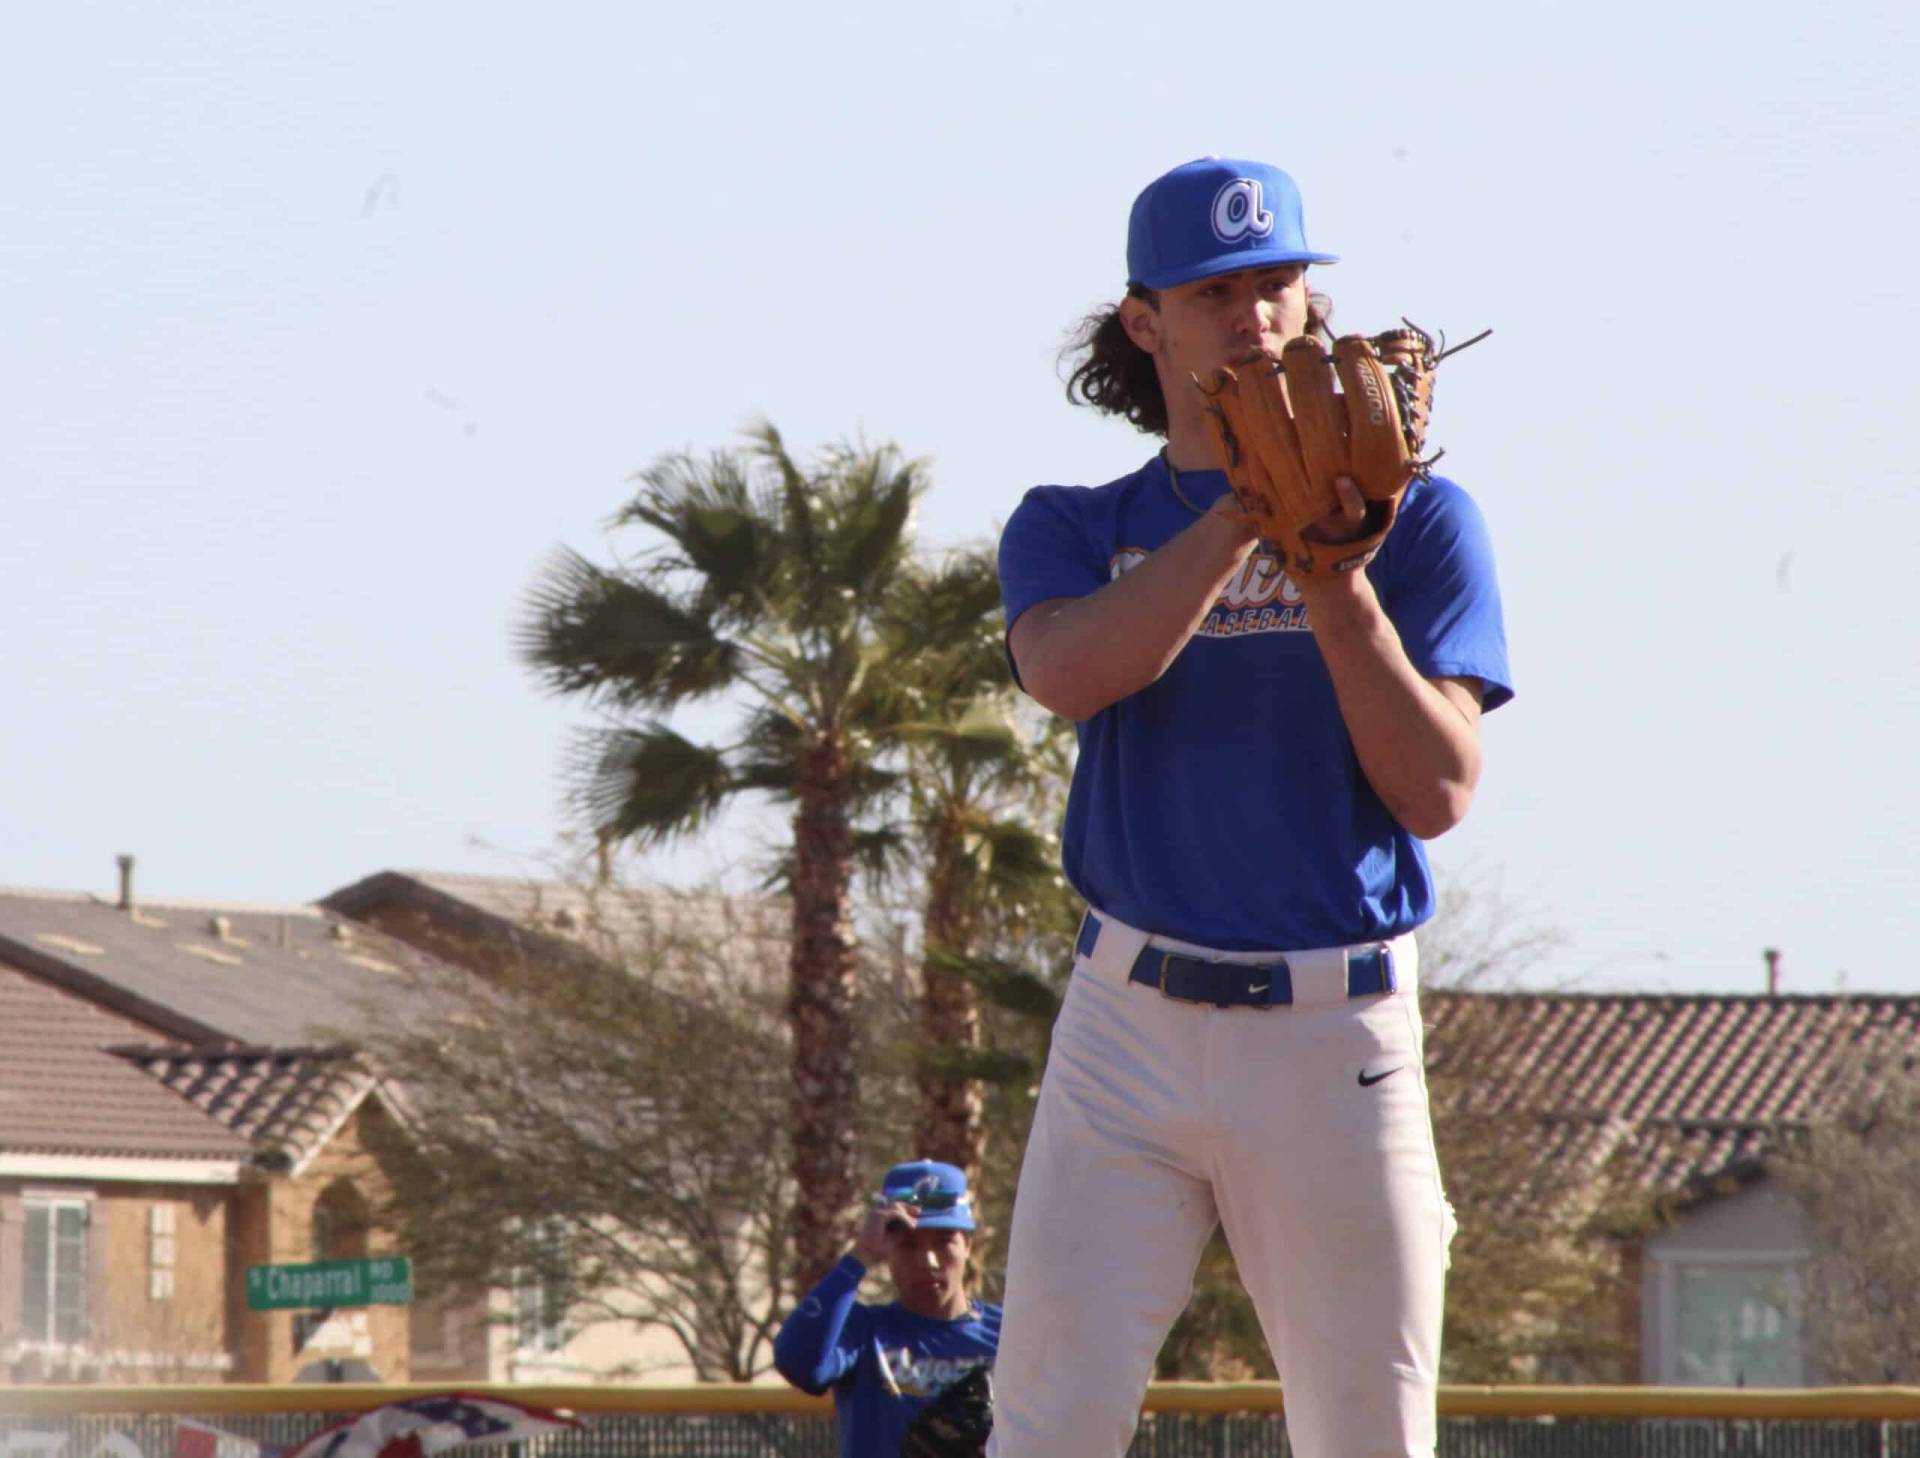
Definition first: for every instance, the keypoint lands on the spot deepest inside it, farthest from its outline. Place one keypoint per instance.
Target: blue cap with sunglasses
(1215, 215)
(936, 1192)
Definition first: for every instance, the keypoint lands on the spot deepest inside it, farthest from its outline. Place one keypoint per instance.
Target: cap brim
(1231, 263)
(944, 1220)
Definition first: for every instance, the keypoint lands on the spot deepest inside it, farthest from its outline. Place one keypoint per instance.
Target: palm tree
(979, 775)
(767, 585)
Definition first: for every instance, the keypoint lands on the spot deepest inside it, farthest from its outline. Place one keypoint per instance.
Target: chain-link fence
(1161, 1435)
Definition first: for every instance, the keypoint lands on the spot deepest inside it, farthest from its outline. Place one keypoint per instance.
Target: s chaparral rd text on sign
(384, 1282)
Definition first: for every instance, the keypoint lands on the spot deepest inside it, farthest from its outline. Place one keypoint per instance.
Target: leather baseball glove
(955, 1423)
(1287, 429)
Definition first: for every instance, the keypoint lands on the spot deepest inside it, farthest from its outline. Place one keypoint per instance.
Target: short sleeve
(1047, 552)
(1443, 595)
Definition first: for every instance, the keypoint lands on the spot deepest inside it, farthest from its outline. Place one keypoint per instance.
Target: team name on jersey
(1259, 598)
(917, 1376)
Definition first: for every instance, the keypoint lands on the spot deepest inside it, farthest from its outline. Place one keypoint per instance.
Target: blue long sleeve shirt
(881, 1363)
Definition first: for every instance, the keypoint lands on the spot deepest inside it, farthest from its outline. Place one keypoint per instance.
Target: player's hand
(875, 1237)
(1227, 508)
(1349, 523)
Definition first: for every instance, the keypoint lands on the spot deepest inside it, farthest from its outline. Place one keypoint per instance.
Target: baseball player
(1260, 760)
(883, 1363)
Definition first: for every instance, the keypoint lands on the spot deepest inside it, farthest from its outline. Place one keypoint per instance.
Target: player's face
(929, 1269)
(1202, 325)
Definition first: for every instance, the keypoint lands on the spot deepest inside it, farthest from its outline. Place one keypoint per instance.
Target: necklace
(1173, 480)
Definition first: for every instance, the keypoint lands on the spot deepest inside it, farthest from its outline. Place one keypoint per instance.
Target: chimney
(1772, 954)
(126, 881)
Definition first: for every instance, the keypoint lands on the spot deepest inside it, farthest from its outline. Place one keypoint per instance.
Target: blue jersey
(882, 1362)
(1223, 804)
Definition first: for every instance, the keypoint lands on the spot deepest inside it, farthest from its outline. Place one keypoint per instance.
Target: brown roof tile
(1705, 1084)
(62, 1092)
(288, 1101)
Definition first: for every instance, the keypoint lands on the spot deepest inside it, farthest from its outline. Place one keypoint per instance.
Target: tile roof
(1689, 1087)
(604, 922)
(207, 973)
(61, 1092)
(287, 1102)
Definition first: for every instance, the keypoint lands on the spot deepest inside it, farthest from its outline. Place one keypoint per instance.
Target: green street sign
(384, 1282)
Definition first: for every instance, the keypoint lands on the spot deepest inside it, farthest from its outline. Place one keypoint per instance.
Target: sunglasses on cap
(919, 1199)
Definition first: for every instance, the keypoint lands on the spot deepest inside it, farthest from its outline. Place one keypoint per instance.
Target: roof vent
(1772, 956)
(339, 931)
(220, 928)
(126, 881)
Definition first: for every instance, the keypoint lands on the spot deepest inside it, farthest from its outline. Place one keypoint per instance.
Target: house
(1688, 1096)
(306, 1114)
(176, 1104)
(1692, 1096)
(116, 1199)
(178, 1101)
(487, 924)
(239, 1024)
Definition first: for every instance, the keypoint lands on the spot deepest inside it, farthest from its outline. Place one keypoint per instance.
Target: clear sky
(323, 325)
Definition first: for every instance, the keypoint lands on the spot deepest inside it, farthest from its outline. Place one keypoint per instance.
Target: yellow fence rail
(1816, 1404)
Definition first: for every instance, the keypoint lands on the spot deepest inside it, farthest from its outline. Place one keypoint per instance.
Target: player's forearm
(1419, 749)
(1077, 656)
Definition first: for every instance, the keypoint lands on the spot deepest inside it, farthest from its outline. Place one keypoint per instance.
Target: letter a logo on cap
(1238, 212)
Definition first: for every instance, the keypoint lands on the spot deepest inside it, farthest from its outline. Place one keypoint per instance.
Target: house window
(540, 1293)
(53, 1287)
(1737, 1324)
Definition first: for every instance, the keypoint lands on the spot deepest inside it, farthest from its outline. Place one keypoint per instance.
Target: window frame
(49, 1335)
(540, 1305)
(1789, 1263)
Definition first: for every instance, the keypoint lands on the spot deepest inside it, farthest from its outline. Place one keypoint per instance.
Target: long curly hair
(1115, 375)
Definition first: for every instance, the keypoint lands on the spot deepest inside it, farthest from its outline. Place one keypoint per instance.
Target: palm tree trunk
(952, 1106)
(820, 1013)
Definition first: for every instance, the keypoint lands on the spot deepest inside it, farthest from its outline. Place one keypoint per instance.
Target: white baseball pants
(1158, 1119)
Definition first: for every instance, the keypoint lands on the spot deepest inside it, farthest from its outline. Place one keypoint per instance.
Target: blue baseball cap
(1215, 215)
(937, 1192)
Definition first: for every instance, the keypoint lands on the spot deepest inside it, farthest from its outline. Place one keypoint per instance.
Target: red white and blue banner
(423, 1426)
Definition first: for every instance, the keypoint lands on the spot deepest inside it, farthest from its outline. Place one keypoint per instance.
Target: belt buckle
(1166, 958)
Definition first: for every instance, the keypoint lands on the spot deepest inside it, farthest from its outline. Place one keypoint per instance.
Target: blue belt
(1238, 984)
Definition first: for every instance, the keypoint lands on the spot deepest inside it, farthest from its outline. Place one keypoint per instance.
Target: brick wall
(155, 1283)
(274, 1225)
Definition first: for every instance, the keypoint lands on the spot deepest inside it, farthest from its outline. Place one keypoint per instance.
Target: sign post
(385, 1281)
